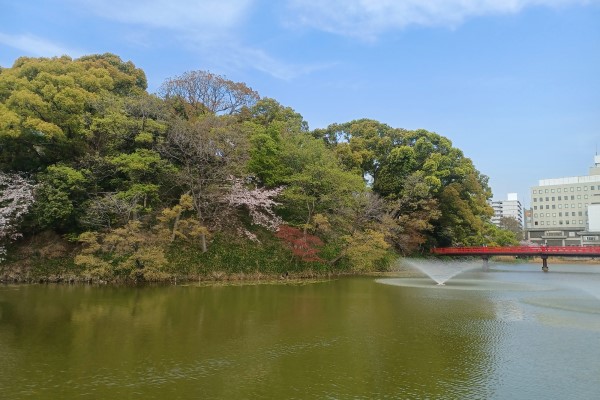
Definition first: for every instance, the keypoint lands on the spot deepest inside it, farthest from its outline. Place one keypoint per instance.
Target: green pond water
(513, 332)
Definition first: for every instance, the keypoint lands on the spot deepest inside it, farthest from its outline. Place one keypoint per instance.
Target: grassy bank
(48, 257)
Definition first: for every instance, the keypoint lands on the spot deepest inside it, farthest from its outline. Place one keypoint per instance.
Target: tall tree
(197, 93)
(208, 152)
(49, 106)
(388, 157)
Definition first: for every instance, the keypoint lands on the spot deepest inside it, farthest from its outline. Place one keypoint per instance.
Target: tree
(365, 249)
(198, 93)
(208, 152)
(130, 252)
(512, 224)
(59, 196)
(49, 106)
(16, 197)
(303, 245)
(413, 213)
(274, 126)
(388, 157)
(259, 203)
(315, 181)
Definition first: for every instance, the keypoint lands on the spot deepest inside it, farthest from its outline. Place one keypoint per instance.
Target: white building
(566, 211)
(511, 207)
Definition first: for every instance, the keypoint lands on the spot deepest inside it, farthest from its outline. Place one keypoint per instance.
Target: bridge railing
(557, 250)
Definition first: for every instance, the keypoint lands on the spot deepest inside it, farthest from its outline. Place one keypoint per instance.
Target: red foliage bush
(303, 245)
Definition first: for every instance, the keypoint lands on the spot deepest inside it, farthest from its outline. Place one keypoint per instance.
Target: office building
(566, 211)
(511, 207)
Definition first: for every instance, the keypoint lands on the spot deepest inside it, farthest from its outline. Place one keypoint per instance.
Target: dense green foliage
(148, 186)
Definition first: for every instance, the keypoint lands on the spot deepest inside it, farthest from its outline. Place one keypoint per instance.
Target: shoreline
(21, 275)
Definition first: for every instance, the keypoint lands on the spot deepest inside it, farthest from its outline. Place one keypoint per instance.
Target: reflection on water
(463, 284)
(513, 333)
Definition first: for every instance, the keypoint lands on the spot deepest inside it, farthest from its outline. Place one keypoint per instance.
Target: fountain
(441, 271)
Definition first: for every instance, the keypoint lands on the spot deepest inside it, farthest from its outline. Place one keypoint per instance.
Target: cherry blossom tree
(16, 196)
(258, 201)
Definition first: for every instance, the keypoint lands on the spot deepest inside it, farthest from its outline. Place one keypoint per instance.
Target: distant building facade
(511, 207)
(566, 211)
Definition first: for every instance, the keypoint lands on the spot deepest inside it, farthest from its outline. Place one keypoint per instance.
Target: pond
(512, 332)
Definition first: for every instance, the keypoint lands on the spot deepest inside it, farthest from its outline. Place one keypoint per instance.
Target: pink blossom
(16, 196)
(258, 201)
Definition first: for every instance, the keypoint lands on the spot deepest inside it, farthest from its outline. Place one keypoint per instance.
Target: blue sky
(515, 84)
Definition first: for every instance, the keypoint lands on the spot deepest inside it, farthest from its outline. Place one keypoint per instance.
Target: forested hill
(208, 176)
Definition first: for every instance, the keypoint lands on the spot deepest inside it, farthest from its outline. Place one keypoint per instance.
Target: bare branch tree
(206, 93)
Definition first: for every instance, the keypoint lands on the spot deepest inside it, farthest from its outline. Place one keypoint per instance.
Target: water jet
(441, 271)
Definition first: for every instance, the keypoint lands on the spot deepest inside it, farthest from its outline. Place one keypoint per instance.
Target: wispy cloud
(180, 15)
(35, 45)
(369, 18)
(209, 27)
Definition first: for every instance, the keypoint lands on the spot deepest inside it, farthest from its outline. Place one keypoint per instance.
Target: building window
(572, 189)
(585, 196)
(580, 222)
(548, 215)
(560, 214)
(547, 198)
(579, 205)
(560, 222)
(572, 213)
(535, 207)
(553, 206)
(580, 213)
(558, 190)
(552, 190)
(553, 214)
(578, 197)
(546, 190)
(535, 223)
(572, 197)
(574, 222)
(560, 206)
(567, 222)
(535, 199)
(542, 223)
(579, 188)
(547, 206)
(585, 188)
(559, 198)
(535, 215)
(593, 188)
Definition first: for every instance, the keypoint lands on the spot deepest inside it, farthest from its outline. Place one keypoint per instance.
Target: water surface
(510, 333)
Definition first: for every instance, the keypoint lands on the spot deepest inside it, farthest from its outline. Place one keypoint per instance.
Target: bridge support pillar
(545, 263)
(486, 266)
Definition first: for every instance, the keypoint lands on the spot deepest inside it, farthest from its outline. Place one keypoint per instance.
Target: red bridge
(529, 251)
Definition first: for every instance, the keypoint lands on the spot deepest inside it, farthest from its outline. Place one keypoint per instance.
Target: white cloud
(232, 54)
(35, 46)
(208, 27)
(179, 15)
(369, 18)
